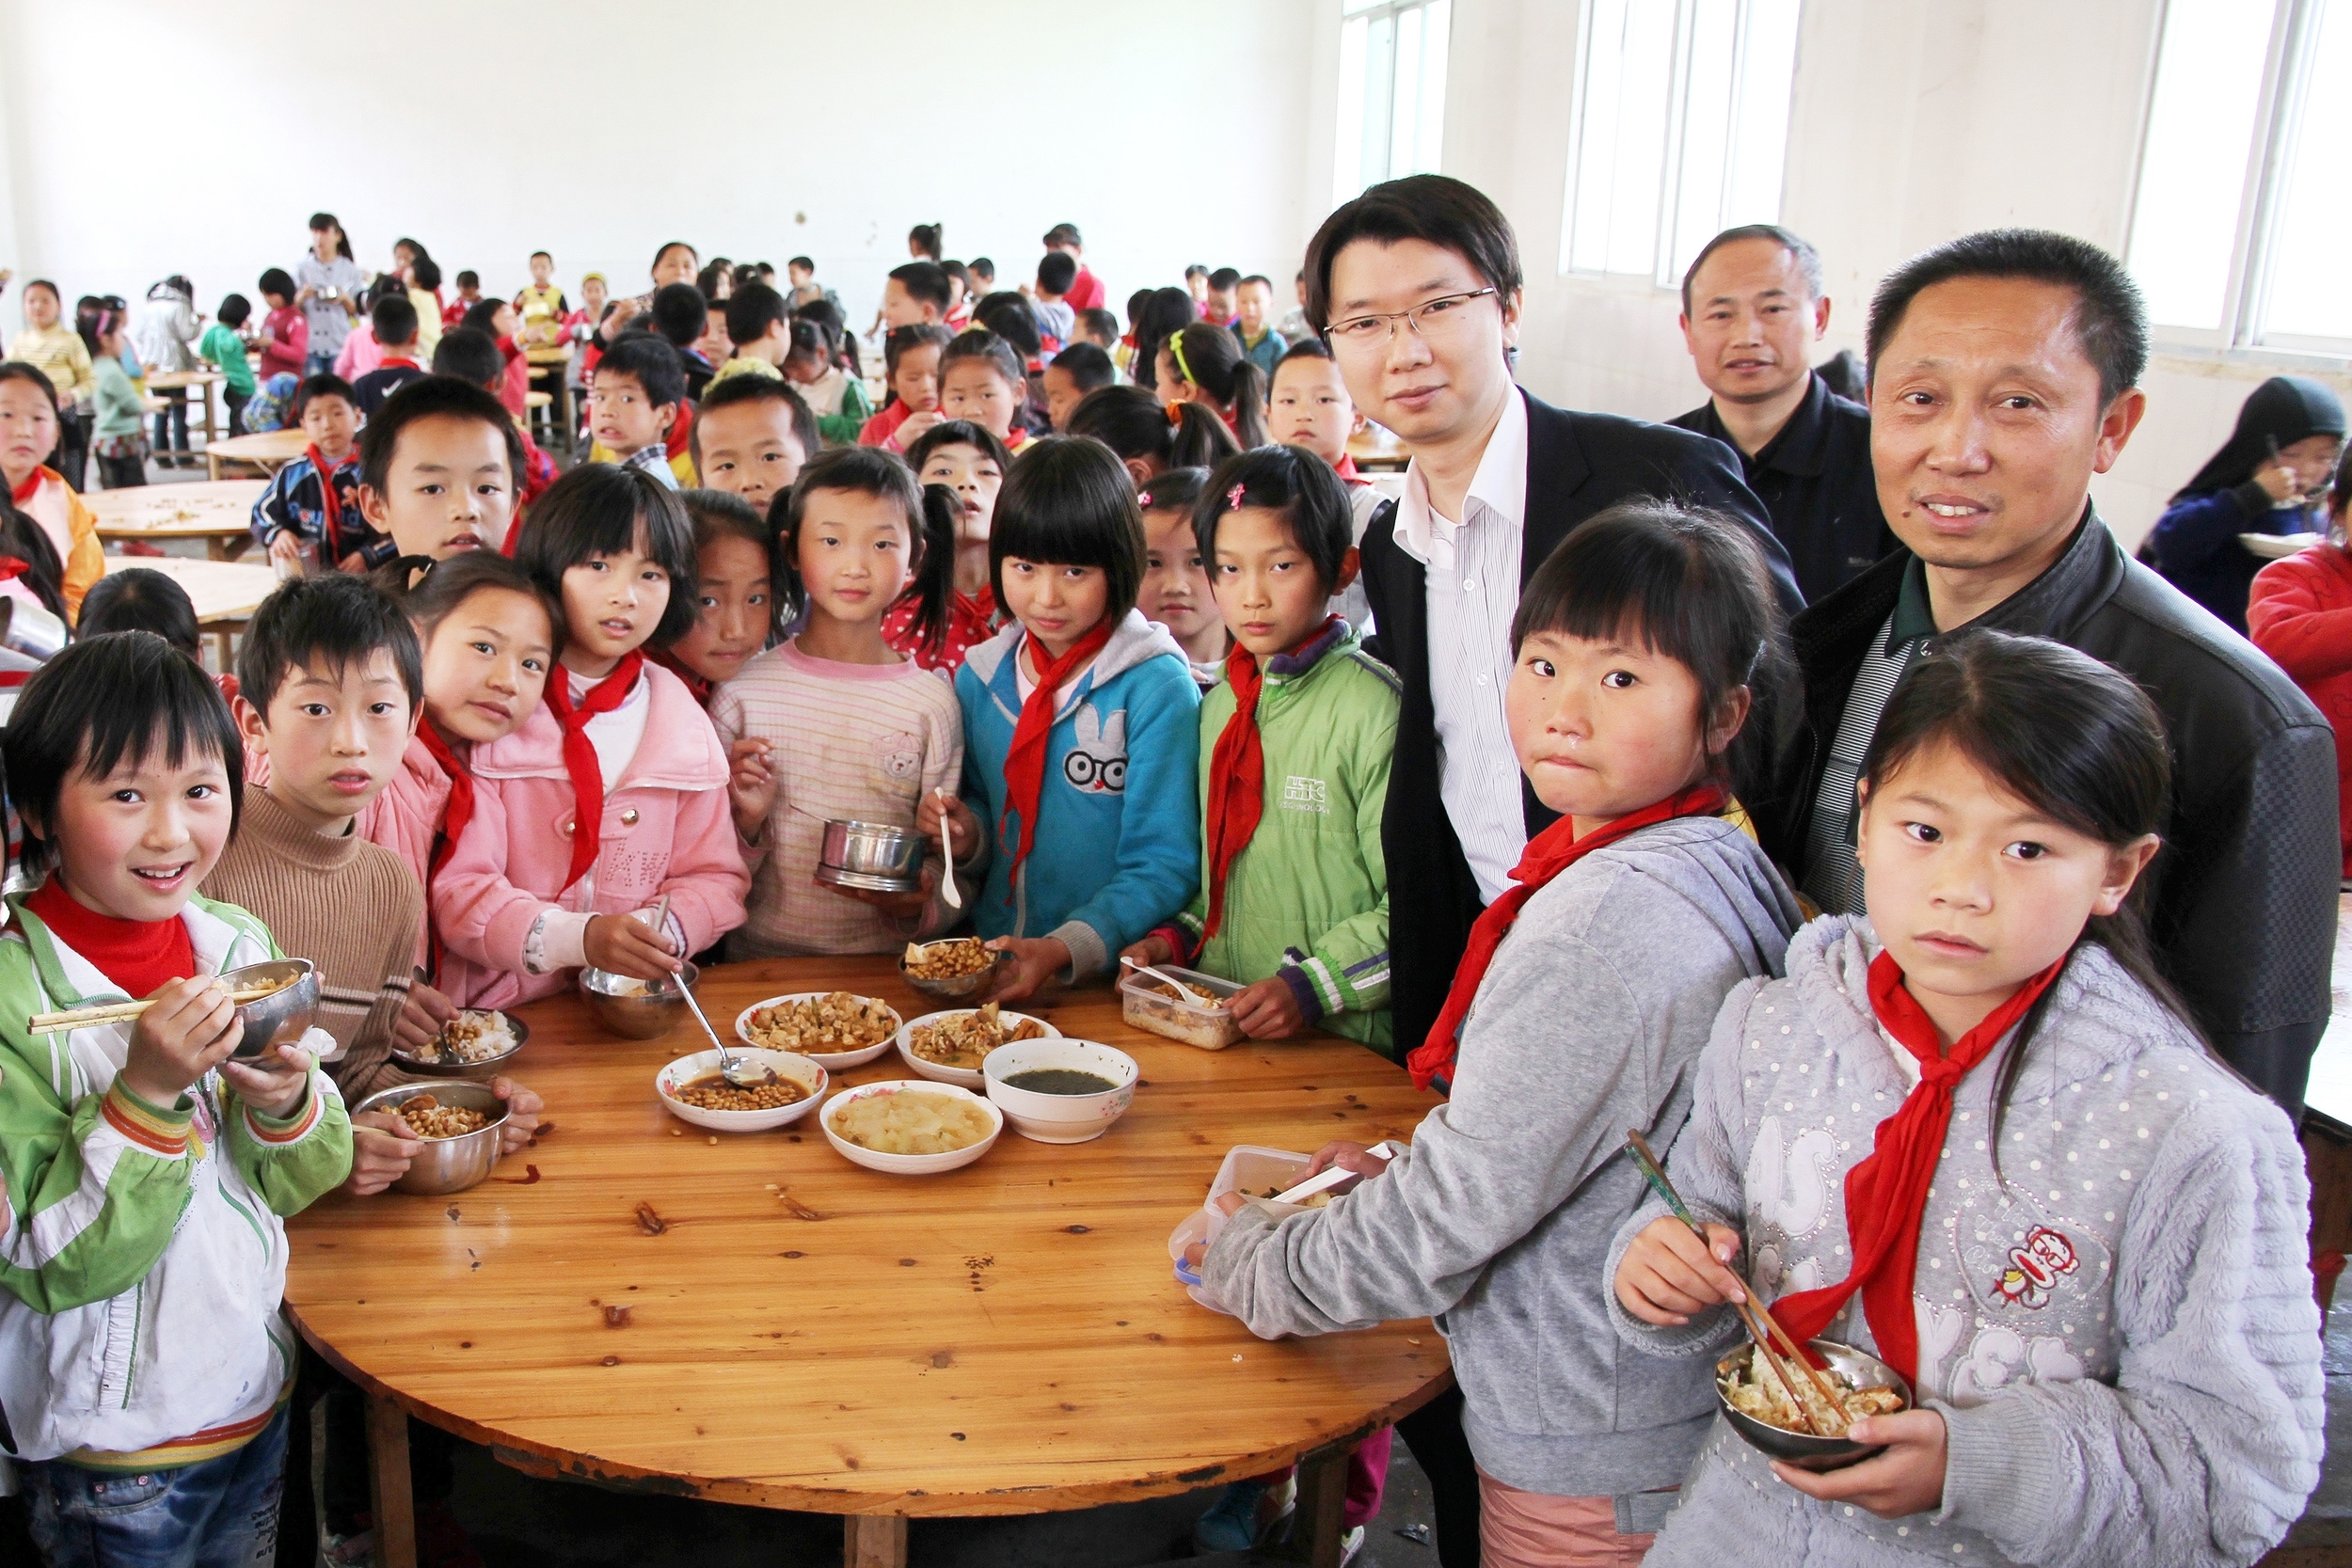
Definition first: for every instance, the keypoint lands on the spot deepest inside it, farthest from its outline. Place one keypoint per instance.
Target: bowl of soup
(1060, 1091)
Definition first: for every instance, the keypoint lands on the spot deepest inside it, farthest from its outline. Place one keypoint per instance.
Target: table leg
(211, 464)
(230, 547)
(563, 406)
(1322, 1496)
(878, 1540)
(388, 1469)
(204, 390)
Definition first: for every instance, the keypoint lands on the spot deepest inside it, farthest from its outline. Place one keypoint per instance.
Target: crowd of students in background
(1537, 776)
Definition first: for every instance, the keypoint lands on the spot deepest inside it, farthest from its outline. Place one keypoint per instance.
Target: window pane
(1759, 134)
(1707, 112)
(2193, 164)
(2308, 291)
(1621, 160)
(1405, 113)
(1379, 76)
(1430, 143)
(1347, 153)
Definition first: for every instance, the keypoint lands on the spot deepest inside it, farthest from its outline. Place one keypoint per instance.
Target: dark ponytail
(428, 589)
(28, 542)
(1133, 424)
(1210, 358)
(932, 584)
(1248, 404)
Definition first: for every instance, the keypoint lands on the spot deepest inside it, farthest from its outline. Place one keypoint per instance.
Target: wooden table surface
(184, 378)
(221, 590)
(218, 511)
(802, 1333)
(1376, 444)
(268, 450)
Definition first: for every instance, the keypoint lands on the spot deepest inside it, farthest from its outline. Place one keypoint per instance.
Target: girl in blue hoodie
(1081, 731)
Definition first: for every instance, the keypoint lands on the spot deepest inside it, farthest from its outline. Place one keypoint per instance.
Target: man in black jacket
(1415, 285)
(2003, 374)
(1752, 310)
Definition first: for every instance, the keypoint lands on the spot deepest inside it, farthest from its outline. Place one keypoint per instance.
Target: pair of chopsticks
(1761, 1326)
(124, 1012)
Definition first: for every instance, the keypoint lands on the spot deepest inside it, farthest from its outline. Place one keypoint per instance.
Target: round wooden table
(268, 450)
(1375, 446)
(751, 1318)
(201, 382)
(218, 511)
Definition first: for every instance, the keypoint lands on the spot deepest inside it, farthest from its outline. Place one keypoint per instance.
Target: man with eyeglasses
(1415, 285)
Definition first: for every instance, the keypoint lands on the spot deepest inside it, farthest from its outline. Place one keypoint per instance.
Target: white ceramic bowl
(910, 1165)
(831, 1060)
(1060, 1119)
(968, 1077)
(702, 1063)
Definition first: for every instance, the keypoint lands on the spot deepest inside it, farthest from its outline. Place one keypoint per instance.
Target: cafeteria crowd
(1813, 784)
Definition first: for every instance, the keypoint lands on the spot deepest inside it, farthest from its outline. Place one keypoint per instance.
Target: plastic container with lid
(1145, 1003)
(1251, 1171)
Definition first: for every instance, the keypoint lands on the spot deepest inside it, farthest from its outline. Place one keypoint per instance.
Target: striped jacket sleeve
(96, 1181)
(294, 1160)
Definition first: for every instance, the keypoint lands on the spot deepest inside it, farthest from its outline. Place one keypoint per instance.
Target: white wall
(599, 130)
(1913, 121)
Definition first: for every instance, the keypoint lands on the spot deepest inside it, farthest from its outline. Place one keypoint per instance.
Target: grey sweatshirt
(1498, 1219)
(2118, 1328)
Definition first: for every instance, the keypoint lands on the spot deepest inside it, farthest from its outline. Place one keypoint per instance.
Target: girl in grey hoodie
(1579, 1011)
(1975, 1135)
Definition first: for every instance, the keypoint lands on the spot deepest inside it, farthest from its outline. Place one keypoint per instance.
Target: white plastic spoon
(947, 862)
(1199, 998)
(1331, 1176)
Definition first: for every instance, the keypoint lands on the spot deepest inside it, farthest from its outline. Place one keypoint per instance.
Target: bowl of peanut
(458, 1123)
(958, 969)
(693, 1089)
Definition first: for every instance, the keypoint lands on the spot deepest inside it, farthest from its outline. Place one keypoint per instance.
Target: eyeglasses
(1432, 320)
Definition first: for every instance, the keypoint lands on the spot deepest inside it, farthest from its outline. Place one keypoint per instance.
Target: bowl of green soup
(1060, 1091)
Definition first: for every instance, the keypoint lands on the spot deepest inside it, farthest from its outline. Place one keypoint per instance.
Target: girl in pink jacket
(612, 793)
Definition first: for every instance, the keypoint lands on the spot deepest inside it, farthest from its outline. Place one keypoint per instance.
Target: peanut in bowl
(693, 1090)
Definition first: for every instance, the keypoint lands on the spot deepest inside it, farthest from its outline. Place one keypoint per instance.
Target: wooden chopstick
(1761, 1326)
(124, 1012)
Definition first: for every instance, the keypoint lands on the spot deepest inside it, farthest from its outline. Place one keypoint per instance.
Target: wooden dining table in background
(218, 511)
(1375, 446)
(225, 593)
(751, 1318)
(268, 450)
(199, 384)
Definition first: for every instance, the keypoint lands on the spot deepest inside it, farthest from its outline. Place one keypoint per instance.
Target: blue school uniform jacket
(1117, 843)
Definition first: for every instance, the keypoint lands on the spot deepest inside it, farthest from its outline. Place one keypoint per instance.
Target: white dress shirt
(1473, 588)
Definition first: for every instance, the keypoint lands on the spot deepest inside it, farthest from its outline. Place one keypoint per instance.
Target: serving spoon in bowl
(738, 1073)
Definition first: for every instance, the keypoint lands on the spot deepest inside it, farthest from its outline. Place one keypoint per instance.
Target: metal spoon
(741, 1074)
(1199, 998)
(947, 864)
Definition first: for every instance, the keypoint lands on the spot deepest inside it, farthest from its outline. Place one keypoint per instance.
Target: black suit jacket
(1577, 464)
(2244, 907)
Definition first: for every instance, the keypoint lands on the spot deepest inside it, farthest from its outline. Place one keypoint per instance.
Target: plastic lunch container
(1145, 1004)
(1248, 1169)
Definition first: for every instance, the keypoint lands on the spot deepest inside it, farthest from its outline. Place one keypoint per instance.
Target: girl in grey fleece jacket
(1586, 1021)
(2106, 1310)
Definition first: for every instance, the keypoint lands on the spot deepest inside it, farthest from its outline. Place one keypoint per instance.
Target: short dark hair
(394, 321)
(923, 281)
(751, 310)
(1087, 366)
(102, 702)
(723, 515)
(1306, 348)
(426, 398)
(1196, 270)
(1099, 323)
(1067, 502)
(427, 590)
(679, 313)
(469, 279)
(1137, 301)
(425, 272)
(803, 262)
(1686, 583)
(982, 267)
(274, 282)
(1061, 233)
(751, 386)
(1225, 279)
(327, 623)
(1436, 209)
(1057, 270)
(320, 385)
(469, 354)
(861, 470)
(650, 361)
(236, 311)
(667, 246)
(1173, 490)
(1012, 317)
(900, 340)
(1304, 489)
(2109, 318)
(1258, 277)
(600, 509)
(536, 254)
(958, 432)
(139, 598)
(1799, 251)
(986, 346)
(962, 274)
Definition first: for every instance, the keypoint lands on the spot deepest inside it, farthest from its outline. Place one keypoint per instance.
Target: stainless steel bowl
(1802, 1449)
(446, 1164)
(963, 988)
(871, 855)
(29, 630)
(633, 1013)
(281, 1017)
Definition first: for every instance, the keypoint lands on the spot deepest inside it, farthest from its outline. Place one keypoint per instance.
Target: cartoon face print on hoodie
(1096, 762)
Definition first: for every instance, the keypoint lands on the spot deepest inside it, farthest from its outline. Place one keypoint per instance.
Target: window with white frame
(1681, 129)
(1391, 91)
(2240, 228)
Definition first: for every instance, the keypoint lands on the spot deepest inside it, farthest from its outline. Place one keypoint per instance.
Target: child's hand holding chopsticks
(1666, 1274)
(189, 1028)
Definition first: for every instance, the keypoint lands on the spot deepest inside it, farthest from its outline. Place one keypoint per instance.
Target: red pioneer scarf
(137, 955)
(331, 505)
(1548, 853)
(1887, 1193)
(1025, 759)
(1236, 799)
(23, 494)
(12, 568)
(579, 752)
(454, 819)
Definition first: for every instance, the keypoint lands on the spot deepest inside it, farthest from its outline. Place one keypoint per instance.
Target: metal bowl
(635, 1009)
(1800, 1449)
(963, 988)
(488, 1067)
(446, 1164)
(871, 855)
(280, 1017)
(29, 630)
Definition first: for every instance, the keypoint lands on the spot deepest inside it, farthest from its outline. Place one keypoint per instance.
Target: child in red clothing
(287, 340)
(2300, 613)
(981, 379)
(968, 459)
(911, 356)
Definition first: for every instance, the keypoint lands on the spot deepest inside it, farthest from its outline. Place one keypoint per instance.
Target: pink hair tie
(1233, 497)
